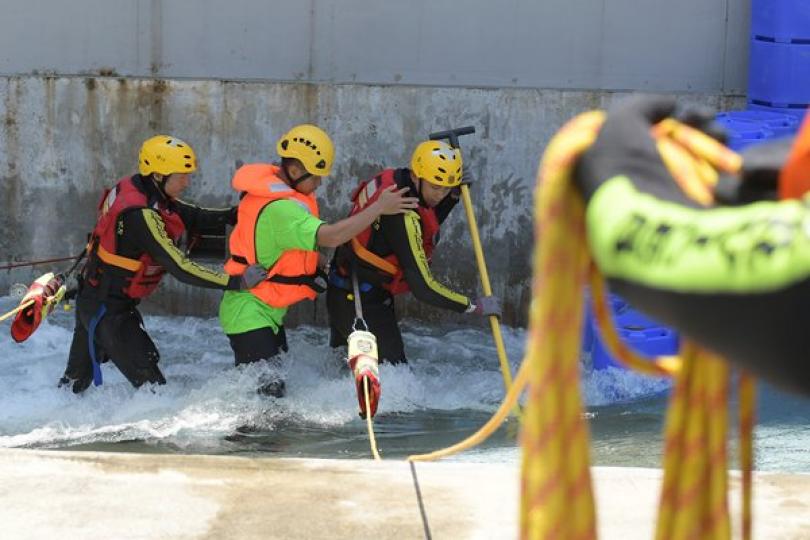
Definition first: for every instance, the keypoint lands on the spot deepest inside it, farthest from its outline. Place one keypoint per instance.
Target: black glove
(703, 119)
(759, 180)
(485, 306)
(466, 180)
(625, 147)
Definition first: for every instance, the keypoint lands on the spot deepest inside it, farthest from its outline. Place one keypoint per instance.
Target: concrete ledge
(127, 496)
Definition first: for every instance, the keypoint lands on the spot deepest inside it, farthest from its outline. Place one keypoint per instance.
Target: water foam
(450, 369)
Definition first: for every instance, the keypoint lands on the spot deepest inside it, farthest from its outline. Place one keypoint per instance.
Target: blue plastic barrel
(742, 133)
(779, 74)
(779, 123)
(644, 335)
(798, 111)
(782, 21)
(649, 342)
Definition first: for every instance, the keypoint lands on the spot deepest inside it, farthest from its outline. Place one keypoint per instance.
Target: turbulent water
(450, 387)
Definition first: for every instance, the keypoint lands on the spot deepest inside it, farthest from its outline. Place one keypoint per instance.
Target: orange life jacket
(367, 193)
(144, 273)
(794, 178)
(294, 276)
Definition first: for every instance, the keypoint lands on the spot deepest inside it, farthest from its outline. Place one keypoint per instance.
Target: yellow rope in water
(369, 425)
(508, 404)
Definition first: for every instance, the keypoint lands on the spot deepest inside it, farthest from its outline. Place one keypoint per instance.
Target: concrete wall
(63, 139)
(653, 45)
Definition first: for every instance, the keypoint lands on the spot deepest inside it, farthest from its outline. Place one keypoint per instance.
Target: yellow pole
(16, 309)
(482, 271)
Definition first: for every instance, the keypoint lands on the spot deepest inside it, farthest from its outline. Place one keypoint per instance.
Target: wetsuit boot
(272, 385)
(79, 370)
(262, 344)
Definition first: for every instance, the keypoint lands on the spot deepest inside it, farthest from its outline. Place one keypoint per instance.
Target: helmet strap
(160, 183)
(293, 181)
(302, 178)
(420, 191)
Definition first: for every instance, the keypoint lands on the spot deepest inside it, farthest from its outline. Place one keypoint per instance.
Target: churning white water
(450, 387)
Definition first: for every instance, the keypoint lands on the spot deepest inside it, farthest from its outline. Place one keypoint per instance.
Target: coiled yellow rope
(557, 499)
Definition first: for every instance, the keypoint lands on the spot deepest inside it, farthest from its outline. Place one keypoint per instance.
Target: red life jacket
(144, 273)
(367, 193)
(291, 278)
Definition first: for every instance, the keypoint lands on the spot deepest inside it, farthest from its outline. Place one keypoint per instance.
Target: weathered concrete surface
(655, 45)
(45, 495)
(62, 140)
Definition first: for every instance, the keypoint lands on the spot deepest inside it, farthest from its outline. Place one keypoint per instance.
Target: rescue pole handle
(452, 136)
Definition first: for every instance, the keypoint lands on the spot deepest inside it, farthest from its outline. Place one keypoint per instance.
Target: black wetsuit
(401, 235)
(119, 334)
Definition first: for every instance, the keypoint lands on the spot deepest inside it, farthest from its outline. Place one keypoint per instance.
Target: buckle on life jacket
(316, 281)
(344, 283)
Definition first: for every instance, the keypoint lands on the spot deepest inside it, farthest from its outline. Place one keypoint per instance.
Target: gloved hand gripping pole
(452, 136)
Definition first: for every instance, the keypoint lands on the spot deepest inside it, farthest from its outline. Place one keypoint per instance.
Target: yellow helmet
(438, 163)
(311, 146)
(164, 154)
